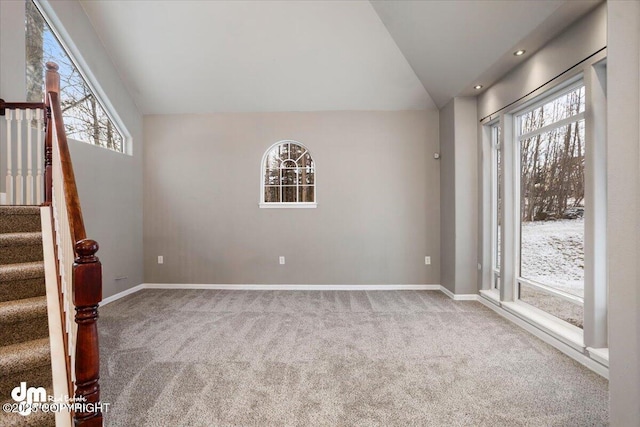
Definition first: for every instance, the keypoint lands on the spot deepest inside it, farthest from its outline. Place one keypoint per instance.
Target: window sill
(492, 295)
(600, 355)
(569, 334)
(288, 205)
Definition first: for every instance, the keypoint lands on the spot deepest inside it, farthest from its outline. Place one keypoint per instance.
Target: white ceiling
(454, 45)
(240, 56)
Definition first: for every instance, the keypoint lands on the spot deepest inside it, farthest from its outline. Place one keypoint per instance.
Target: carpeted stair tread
(20, 247)
(15, 219)
(23, 356)
(13, 333)
(21, 238)
(20, 289)
(19, 210)
(34, 376)
(21, 271)
(23, 310)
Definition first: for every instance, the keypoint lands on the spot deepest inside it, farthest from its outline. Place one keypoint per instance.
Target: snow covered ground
(553, 254)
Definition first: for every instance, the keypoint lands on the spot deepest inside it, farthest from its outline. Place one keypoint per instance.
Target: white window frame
(495, 152)
(90, 80)
(556, 92)
(294, 205)
(591, 342)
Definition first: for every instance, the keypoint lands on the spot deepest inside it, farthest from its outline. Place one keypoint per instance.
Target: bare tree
(552, 162)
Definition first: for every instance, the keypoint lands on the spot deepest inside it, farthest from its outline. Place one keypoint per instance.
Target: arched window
(288, 176)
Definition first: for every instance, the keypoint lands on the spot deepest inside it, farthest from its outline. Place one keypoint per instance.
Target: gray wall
(110, 184)
(458, 141)
(466, 213)
(378, 196)
(582, 39)
(447, 197)
(623, 225)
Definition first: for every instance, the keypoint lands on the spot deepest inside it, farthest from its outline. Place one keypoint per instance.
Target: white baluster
(9, 181)
(19, 178)
(29, 116)
(39, 158)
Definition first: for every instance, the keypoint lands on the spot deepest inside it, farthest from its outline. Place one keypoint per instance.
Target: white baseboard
(278, 287)
(549, 339)
(459, 297)
(292, 287)
(259, 287)
(122, 294)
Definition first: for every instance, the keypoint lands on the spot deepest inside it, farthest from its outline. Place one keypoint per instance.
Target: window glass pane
(307, 176)
(272, 194)
(553, 304)
(552, 208)
(289, 176)
(306, 161)
(84, 117)
(305, 194)
(284, 151)
(273, 159)
(289, 194)
(562, 107)
(272, 177)
(296, 151)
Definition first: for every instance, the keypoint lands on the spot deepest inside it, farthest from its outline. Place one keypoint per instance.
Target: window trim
(495, 148)
(287, 205)
(85, 72)
(594, 334)
(562, 89)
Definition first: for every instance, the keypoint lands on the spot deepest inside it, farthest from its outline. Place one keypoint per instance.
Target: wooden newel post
(52, 84)
(87, 293)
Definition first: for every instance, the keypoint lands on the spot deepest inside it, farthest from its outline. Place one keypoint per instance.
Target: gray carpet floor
(297, 358)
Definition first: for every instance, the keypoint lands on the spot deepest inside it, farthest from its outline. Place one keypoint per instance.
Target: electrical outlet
(427, 260)
(281, 260)
(160, 259)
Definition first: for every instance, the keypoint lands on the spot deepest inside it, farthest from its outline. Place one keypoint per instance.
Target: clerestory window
(85, 117)
(288, 176)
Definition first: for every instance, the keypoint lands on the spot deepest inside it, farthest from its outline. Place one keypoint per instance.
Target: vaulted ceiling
(240, 56)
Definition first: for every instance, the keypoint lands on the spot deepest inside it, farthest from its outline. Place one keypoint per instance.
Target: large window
(85, 117)
(544, 227)
(551, 143)
(288, 176)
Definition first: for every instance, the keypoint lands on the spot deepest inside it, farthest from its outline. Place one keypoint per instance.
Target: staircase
(74, 272)
(24, 334)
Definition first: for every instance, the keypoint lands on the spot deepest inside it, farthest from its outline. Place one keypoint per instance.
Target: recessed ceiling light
(477, 87)
(519, 52)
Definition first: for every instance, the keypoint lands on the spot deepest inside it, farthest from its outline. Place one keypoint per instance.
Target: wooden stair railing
(86, 271)
(79, 272)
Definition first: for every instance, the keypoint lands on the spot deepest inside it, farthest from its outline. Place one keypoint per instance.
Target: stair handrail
(86, 272)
